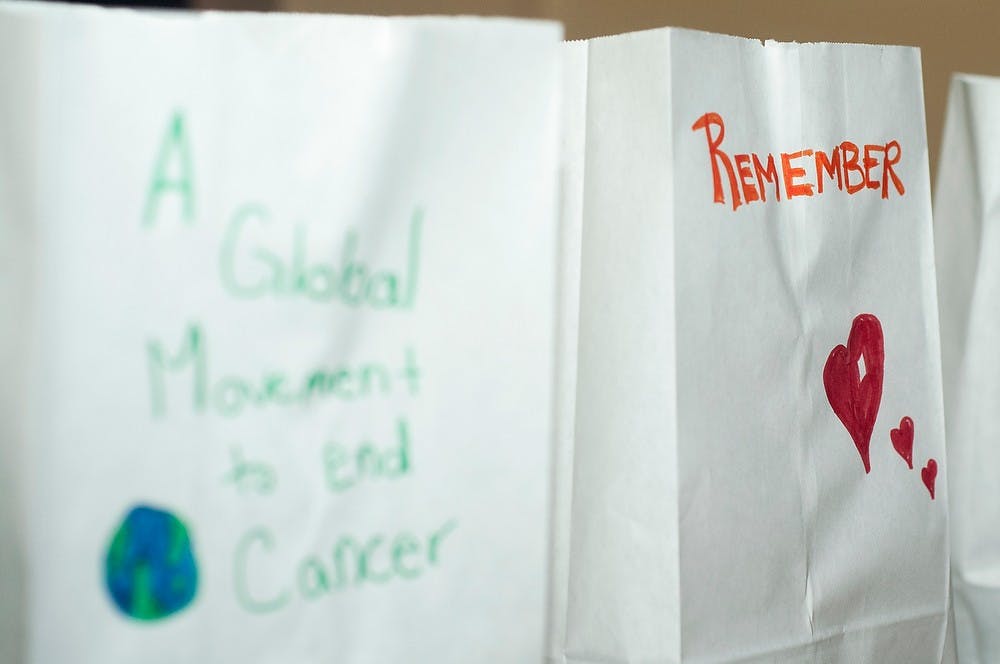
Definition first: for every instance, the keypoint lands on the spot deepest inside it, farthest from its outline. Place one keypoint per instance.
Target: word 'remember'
(851, 167)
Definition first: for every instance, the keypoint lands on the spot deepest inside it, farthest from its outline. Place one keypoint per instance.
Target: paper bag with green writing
(759, 467)
(966, 204)
(280, 380)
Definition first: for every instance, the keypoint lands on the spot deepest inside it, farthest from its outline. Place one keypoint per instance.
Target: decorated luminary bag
(759, 470)
(278, 337)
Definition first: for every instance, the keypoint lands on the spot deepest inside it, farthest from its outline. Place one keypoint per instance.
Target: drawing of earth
(150, 569)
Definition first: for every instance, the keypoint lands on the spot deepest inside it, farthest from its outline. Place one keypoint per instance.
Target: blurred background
(957, 35)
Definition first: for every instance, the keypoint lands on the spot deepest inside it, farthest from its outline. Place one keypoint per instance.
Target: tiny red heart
(928, 475)
(902, 440)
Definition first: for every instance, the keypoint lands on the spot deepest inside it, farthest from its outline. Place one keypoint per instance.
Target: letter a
(175, 148)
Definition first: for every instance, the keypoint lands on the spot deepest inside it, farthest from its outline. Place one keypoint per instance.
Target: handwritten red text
(751, 177)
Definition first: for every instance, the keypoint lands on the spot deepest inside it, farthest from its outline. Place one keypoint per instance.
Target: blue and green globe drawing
(150, 570)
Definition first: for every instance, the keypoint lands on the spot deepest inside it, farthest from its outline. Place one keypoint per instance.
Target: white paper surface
(325, 346)
(624, 585)
(574, 100)
(722, 510)
(16, 244)
(966, 213)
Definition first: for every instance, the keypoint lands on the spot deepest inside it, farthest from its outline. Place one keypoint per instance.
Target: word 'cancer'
(853, 168)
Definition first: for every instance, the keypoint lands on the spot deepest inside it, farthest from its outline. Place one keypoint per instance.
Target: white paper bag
(966, 218)
(284, 336)
(758, 331)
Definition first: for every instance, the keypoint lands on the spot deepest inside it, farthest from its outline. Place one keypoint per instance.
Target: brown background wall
(954, 36)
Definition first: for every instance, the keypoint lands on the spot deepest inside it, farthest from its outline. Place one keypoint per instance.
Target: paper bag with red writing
(759, 432)
(967, 235)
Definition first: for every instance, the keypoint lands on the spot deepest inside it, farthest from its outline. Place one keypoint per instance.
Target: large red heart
(902, 440)
(855, 399)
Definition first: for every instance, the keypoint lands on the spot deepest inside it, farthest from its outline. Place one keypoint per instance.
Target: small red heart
(928, 475)
(854, 399)
(902, 440)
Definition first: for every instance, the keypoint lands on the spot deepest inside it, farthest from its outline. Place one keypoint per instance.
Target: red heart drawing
(928, 475)
(902, 440)
(855, 399)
